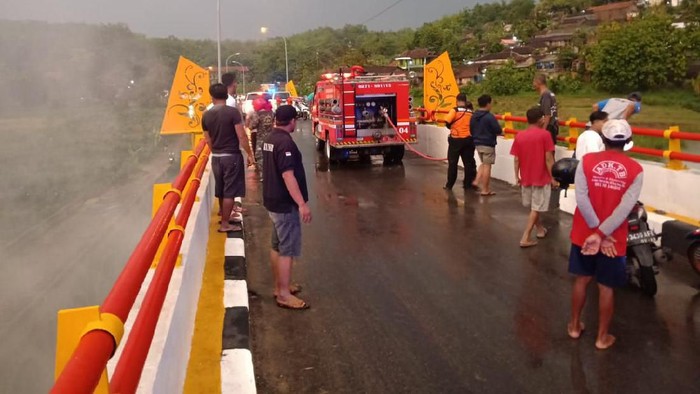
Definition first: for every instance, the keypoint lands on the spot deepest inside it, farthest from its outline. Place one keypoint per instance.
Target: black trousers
(460, 148)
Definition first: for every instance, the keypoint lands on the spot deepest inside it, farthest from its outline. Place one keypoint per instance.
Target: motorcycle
(302, 111)
(643, 254)
(694, 250)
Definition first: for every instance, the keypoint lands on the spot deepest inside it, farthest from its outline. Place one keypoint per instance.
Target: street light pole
(286, 60)
(218, 38)
(264, 30)
(242, 72)
(229, 57)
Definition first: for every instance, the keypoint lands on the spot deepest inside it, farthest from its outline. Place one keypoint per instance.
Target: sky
(239, 19)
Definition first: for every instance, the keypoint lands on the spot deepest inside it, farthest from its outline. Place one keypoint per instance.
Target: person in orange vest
(460, 143)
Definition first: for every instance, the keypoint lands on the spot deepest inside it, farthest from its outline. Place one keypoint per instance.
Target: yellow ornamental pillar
(508, 126)
(71, 326)
(674, 145)
(573, 133)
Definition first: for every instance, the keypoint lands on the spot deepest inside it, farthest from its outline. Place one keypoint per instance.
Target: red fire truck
(348, 116)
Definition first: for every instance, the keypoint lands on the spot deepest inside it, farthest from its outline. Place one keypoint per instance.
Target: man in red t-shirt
(608, 185)
(534, 156)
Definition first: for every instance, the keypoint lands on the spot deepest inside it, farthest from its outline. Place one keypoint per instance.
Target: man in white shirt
(590, 141)
(229, 80)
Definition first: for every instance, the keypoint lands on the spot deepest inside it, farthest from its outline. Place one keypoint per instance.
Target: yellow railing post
(71, 324)
(508, 125)
(159, 192)
(674, 145)
(196, 137)
(573, 133)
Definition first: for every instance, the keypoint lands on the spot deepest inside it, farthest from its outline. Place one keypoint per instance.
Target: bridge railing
(100, 338)
(673, 136)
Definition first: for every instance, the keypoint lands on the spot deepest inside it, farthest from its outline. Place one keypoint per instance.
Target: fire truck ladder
(348, 103)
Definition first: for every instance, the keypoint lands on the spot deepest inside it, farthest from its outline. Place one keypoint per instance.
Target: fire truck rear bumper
(356, 145)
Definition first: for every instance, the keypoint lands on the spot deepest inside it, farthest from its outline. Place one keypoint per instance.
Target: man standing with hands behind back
(285, 195)
(608, 185)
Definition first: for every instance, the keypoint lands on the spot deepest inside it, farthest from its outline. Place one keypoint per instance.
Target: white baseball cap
(618, 130)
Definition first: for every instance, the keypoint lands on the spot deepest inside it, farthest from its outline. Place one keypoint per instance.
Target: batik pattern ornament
(188, 99)
(440, 86)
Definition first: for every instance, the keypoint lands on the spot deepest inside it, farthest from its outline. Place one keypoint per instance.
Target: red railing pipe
(130, 366)
(120, 300)
(82, 372)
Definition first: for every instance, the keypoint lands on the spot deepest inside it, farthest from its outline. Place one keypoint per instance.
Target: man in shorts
(608, 185)
(534, 156)
(224, 132)
(485, 130)
(285, 195)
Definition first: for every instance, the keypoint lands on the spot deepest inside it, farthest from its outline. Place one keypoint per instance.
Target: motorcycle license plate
(641, 238)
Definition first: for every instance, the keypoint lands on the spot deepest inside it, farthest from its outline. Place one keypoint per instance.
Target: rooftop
(418, 53)
(613, 6)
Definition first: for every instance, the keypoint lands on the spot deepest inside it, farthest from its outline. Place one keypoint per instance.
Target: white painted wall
(673, 191)
(166, 365)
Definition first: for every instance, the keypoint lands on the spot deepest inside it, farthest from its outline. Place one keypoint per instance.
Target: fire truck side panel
(350, 114)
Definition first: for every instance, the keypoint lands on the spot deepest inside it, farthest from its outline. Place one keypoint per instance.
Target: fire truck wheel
(330, 152)
(320, 144)
(394, 155)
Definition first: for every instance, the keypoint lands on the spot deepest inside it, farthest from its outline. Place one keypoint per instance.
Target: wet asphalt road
(415, 290)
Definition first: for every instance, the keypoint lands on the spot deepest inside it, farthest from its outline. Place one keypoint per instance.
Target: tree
(508, 80)
(646, 53)
(566, 57)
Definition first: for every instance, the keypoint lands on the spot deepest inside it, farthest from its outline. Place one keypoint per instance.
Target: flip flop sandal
(233, 221)
(488, 194)
(543, 234)
(233, 230)
(528, 244)
(301, 307)
(293, 291)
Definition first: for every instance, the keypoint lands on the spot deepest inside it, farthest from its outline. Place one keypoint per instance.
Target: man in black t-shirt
(285, 195)
(548, 104)
(224, 132)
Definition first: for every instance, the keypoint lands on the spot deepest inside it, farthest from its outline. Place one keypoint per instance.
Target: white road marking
(234, 247)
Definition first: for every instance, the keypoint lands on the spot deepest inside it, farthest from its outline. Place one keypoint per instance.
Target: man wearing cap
(619, 108)
(224, 132)
(285, 195)
(608, 185)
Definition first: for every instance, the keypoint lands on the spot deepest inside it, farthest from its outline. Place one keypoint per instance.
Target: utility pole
(218, 39)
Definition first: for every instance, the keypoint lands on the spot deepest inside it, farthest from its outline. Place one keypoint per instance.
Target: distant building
(672, 3)
(551, 42)
(547, 64)
(501, 58)
(615, 12)
(414, 58)
(583, 22)
(468, 73)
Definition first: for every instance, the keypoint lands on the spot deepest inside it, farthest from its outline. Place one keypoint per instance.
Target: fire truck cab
(348, 116)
